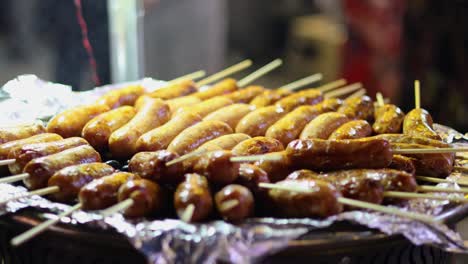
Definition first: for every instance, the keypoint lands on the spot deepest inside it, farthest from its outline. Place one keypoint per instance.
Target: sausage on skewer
(11, 133)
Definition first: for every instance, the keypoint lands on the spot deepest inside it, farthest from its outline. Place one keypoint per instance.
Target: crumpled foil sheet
(173, 241)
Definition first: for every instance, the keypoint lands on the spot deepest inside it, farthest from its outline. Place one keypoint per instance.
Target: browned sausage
(102, 193)
(160, 137)
(413, 139)
(148, 197)
(9, 146)
(217, 167)
(98, 130)
(124, 96)
(175, 90)
(230, 114)
(234, 203)
(70, 123)
(323, 125)
(257, 122)
(11, 133)
(205, 107)
(403, 163)
(223, 87)
(245, 95)
(358, 108)
(305, 97)
(326, 155)
(194, 136)
(250, 176)
(269, 97)
(257, 146)
(418, 122)
(71, 179)
(41, 169)
(277, 169)
(352, 130)
(388, 119)
(194, 191)
(123, 142)
(152, 165)
(177, 103)
(28, 152)
(226, 142)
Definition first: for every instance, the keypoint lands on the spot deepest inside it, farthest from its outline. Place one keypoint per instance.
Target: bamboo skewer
(7, 162)
(229, 204)
(259, 73)
(185, 157)
(188, 213)
(14, 178)
(461, 169)
(40, 192)
(425, 188)
(359, 93)
(302, 82)
(331, 85)
(256, 158)
(123, 205)
(438, 180)
(408, 195)
(429, 150)
(344, 90)
(380, 99)
(417, 94)
(20, 239)
(190, 76)
(226, 72)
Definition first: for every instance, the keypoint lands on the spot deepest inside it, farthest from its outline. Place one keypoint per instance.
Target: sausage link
(226, 142)
(269, 97)
(257, 146)
(123, 142)
(245, 95)
(103, 192)
(71, 179)
(418, 122)
(305, 97)
(358, 108)
(388, 119)
(41, 169)
(11, 133)
(323, 125)
(326, 155)
(9, 146)
(160, 137)
(223, 87)
(352, 130)
(206, 107)
(28, 152)
(98, 130)
(257, 122)
(70, 123)
(413, 139)
(177, 103)
(152, 165)
(124, 96)
(194, 191)
(277, 170)
(148, 197)
(237, 194)
(403, 163)
(196, 135)
(217, 167)
(175, 90)
(230, 114)
(250, 176)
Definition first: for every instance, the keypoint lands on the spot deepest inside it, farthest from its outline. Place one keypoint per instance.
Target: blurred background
(385, 44)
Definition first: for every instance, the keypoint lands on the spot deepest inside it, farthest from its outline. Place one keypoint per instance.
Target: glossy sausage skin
(177, 103)
(234, 193)
(403, 163)
(226, 142)
(9, 146)
(205, 107)
(326, 155)
(41, 169)
(269, 97)
(323, 125)
(124, 96)
(148, 197)
(194, 190)
(71, 179)
(26, 153)
(245, 95)
(257, 146)
(320, 199)
(70, 123)
(418, 122)
(194, 136)
(250, 176)
(160, 137)
(230, 114)
(102, 193)
(123, 142)
(388, 119)
(98, 130)
(358, 108)
(305, 97)
(352, 130)
(175, 90)
(152, 165)
(11, 133)
(277, 170)
(413, 139)
(217, 167)
(223, 87)
(257, 122)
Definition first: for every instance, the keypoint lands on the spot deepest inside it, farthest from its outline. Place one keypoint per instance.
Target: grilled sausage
(323, 125)
(194, 136)
(124, 96)
(257, 146)
(152, 165)
(217, 167)
(257, 122)
(9, 146)
(234, 203)
(418, 122)
(358, 108)
(11, 133)
(352, 130)
(123, 142)
(71, 179)
(250, 176)
(413, 139)
(41, 169)
(226, 142)
(177, 103)
(175, 90)
(269, 97)
(196, 192)
(305, 97)
(206, 107)
(277, 169)
(223, 87)
(98, 130)
(103, 192)
(148, 197)
(403, 163)
(245, 95)
(70, 123)
(230, 114)
(388, 119)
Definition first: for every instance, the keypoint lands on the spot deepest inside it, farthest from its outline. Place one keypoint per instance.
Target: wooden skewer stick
(461, 169)
(417, 94)
(331, 85)
(438, 180)
(190, 76)
(14, 178)
(40, 192)
(302, 82)
(408, 195)
(360, 204)
(7, 162)
(121, 206)
(359, 93)
(428, 188)
(344, 90)
(185, 157)
(251, 158)
(188, 213)
(18, 240)
(226, 72)
(259, 73)
(380, 99)
(228, 205)
(429, 150)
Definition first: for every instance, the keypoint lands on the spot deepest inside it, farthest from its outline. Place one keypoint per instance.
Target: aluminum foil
(173, 241)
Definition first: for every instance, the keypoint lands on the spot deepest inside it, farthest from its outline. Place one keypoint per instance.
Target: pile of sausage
(326, 145)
